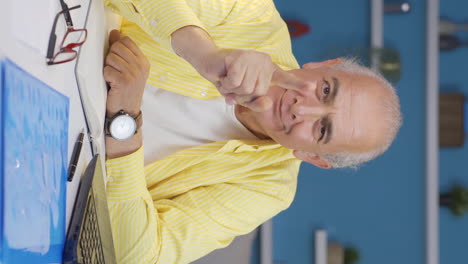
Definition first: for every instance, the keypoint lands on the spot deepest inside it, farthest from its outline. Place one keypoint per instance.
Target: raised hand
(247, 79)
(244, 77)
(241, 76)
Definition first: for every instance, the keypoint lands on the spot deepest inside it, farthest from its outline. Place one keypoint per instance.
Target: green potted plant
(456, 200)
(351, 255)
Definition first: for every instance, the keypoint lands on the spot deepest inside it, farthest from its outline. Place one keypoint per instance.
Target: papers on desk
(31, 22)
(89, 67)
(34, 142)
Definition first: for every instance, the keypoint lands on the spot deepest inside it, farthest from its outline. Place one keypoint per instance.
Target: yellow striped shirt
(180, 208)
(186, 205)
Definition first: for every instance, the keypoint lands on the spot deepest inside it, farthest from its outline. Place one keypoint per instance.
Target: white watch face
(122, 127)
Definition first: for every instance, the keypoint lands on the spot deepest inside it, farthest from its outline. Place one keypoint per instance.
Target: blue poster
(34, 141)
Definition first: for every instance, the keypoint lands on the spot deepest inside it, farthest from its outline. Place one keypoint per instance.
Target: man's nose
(309, 110)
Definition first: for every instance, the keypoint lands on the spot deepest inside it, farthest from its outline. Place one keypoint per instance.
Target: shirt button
(203, 93)
(110, 179)
(156, 39)
(162, 78)
(154, 22)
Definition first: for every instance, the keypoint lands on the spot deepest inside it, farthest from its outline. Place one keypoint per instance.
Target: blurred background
(379, 209)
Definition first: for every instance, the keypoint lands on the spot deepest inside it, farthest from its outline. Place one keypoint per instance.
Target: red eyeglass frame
(69, 48)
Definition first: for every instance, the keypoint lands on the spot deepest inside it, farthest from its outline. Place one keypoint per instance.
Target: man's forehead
(358, 120)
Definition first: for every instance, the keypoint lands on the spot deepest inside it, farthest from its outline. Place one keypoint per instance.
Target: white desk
(60, 77)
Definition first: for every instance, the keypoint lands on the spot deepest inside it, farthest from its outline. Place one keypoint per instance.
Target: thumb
(114, 36)
(259, 104)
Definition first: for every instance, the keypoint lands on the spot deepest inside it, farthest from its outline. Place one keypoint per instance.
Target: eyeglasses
(73, 38)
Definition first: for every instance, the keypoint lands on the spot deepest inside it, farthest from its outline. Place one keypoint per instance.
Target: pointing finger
(289, 81)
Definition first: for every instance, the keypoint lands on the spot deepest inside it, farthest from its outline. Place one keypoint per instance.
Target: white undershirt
(172, 122)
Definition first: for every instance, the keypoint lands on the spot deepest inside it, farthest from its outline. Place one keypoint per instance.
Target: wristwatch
(122, 126)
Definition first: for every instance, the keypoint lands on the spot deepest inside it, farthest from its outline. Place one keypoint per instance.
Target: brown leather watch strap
(139, 120)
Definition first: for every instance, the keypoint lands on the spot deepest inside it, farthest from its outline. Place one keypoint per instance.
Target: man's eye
(326, 89)
(322, 132)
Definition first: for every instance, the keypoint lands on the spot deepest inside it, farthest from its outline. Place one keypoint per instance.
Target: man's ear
(327, 63)
(312, 158)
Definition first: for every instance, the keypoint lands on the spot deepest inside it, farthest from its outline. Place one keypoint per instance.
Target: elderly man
(228, 117)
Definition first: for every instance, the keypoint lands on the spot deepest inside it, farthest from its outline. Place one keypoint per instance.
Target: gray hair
(393, 118)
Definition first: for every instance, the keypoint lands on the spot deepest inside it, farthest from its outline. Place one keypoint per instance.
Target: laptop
(89, 236)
